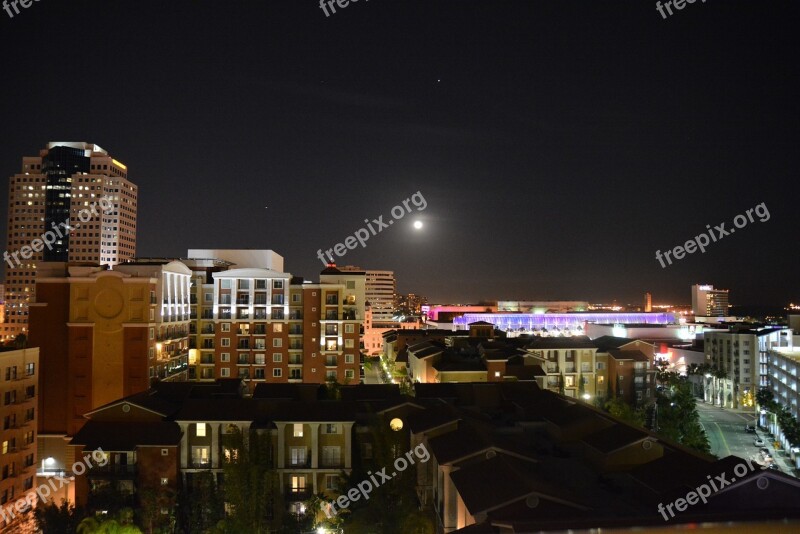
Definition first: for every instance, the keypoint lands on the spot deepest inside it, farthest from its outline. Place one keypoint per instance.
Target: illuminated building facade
(54, 187)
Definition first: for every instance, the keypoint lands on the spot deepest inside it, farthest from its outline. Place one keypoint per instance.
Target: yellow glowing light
(396, 424)
(119, 164)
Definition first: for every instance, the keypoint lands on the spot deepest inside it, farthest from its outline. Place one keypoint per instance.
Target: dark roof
(604, 343)
(613, 438)
(490, 483)
(481, 323)
(452, 446)
(402, 356)
(126, 436)
(576, 342)
(366, 392)
(635, 355)
(462, 365)
(431, 418)
(424, 349)
(306, 392)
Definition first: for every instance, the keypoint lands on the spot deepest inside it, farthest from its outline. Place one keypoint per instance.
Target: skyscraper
(380, 287)
(709, 302)
(72, 203)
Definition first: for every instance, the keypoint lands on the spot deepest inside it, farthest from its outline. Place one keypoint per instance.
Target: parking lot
(726, 434)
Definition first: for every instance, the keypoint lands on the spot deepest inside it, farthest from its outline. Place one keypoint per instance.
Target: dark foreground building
(504, 457)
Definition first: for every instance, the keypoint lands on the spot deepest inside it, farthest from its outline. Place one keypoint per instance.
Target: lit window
(297, 430)
(201, 430)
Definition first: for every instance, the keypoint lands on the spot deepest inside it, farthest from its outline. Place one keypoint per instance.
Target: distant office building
(379, 292)
(19, 390)
(65, 179)
(648, 303)
(709, 302)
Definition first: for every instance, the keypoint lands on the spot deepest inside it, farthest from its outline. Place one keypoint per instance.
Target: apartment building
(19, 390)
(551, 461)
(631, 376)
(166, 438)
(742, 354)
(783, 379)
(103, 335)
(258, 324)
(569, 364)
(52, 188)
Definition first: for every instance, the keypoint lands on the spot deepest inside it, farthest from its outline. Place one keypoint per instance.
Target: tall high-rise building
(71, 203)
(709, 302)
(648, 303)
(379, 292)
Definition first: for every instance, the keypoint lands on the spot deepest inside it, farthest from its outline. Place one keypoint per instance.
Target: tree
(201, 505)
(622, 410)
(764, 397)
(122, 523)
(678, 419)
(561, 383)
(151, 502)
(581, 387)
(393, 507)
(251, 489)
(63, 519)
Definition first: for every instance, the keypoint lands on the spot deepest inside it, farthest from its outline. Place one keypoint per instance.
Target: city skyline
(553, 168)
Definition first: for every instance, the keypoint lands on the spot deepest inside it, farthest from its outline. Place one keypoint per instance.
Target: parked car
(773, 466)
(758, 442)
(751, 429)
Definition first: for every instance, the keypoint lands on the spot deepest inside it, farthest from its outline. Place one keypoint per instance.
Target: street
(726, 434)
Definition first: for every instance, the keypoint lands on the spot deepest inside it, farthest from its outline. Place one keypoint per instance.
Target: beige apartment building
(19, 390)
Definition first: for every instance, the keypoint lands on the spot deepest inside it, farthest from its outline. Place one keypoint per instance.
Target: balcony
(278, 315)
(208, 329)
(295, 359)
(260, 300)
(207, 359)
(224, 299)
(260, 315)
(297, 494)
(278, 300)
(242, 301)
(296, 330)
(332, 300)
(330, 361)
(295, 315)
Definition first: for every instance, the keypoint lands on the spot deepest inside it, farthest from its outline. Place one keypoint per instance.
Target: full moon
(417, 224)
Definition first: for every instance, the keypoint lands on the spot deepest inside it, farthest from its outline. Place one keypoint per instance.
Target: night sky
(558, 144)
